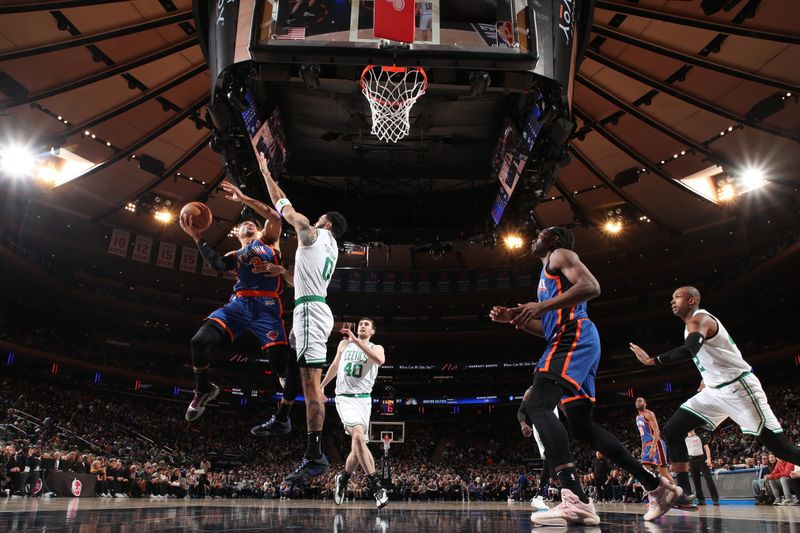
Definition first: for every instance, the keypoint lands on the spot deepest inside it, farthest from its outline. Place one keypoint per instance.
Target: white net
(391, 92)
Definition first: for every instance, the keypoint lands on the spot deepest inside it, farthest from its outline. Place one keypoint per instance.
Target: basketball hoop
(387, 441)
(391, 92)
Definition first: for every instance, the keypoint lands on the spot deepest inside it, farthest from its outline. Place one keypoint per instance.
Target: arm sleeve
(522, 416)
(213, 259)
(683, 353)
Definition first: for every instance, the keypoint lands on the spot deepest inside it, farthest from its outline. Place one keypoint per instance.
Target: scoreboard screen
(387, 407)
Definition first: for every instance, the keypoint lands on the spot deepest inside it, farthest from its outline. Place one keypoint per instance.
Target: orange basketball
(200, 213)
(272, 227)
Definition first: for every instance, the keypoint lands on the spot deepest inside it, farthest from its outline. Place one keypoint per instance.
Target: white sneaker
(538, 503)
(660, 499)
(571, 512)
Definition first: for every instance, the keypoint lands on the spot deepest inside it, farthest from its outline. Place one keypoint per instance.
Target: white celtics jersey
(719, 360)
(357, 372)
(314, 265)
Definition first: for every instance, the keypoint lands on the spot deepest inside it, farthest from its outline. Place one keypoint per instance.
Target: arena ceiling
(664, 88)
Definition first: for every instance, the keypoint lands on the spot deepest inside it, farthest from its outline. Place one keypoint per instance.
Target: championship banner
(406, 283)
(166, 255)
(443, 282)
(371, 283)
(207, 270)
(462, 283)
(424, 283)
(142, 249)
(503, 279)
(482, 280)
(354, 281)
(119, 243)
(188, 259)
(389, 284)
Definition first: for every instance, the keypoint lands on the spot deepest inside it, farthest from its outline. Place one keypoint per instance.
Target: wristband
(280, 204)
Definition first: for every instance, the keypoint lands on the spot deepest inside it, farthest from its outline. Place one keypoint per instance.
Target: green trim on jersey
(310, 298)
(359, 395)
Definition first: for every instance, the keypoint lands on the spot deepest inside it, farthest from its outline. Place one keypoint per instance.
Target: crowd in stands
(140, 446)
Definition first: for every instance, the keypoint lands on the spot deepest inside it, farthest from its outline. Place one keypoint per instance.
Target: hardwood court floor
(122, 515)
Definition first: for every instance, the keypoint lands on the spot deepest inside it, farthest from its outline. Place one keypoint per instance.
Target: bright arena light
(613, 226)
(17, 160)
(752, 178)
(513, 241)
(726, 193)
(163, 216)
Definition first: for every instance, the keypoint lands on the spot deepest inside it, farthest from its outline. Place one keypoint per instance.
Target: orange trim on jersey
(276, 343)
(546, 365)
(244, 294)
(578, 397)
(224, 325)
(569, 356)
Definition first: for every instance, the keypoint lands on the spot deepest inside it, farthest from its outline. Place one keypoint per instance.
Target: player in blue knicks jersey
(254, 306)
(566, 373)
(654, 451)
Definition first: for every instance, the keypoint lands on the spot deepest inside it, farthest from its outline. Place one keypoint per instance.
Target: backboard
(454, 33)
(396, 429)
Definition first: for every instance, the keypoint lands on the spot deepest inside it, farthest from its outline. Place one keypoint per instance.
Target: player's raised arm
(306, 232)
(374, 352)
(211, 257)
(234, 194)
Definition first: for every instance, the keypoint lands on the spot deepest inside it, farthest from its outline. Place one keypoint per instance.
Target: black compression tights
(283, 361)
(545, 396)
(208, 336)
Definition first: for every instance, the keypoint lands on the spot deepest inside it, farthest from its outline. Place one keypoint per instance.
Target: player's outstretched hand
(348, 334)
(233, 193)
(185, 222)
(501, 314)
(527, 312)
(270, 270)
(641, 355)
(262, 164)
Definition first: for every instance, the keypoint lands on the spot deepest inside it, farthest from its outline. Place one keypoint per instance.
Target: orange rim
(392, 68)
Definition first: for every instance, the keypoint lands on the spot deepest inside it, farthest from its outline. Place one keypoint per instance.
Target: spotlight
(752, 178)
(726, 192)
(164, 217)
(512, 241)
(613, 226)
(130, 207)
(17, 160)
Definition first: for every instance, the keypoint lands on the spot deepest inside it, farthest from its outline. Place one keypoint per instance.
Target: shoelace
(302, 465)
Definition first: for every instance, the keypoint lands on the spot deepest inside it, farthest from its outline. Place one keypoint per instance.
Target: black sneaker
(381, 498)
(684, 503)
(199, 402)
(308, 468)
(341, 489)
(272, 428)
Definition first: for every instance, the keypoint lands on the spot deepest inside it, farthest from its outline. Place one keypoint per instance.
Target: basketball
(272, 227)
(200, 213)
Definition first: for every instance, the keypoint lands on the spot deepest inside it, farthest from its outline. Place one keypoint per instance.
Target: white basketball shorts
(743, 401)
(354, 410)
(313, 323)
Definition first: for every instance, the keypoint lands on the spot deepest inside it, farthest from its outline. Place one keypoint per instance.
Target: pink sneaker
(660, 499)
(571, 512)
